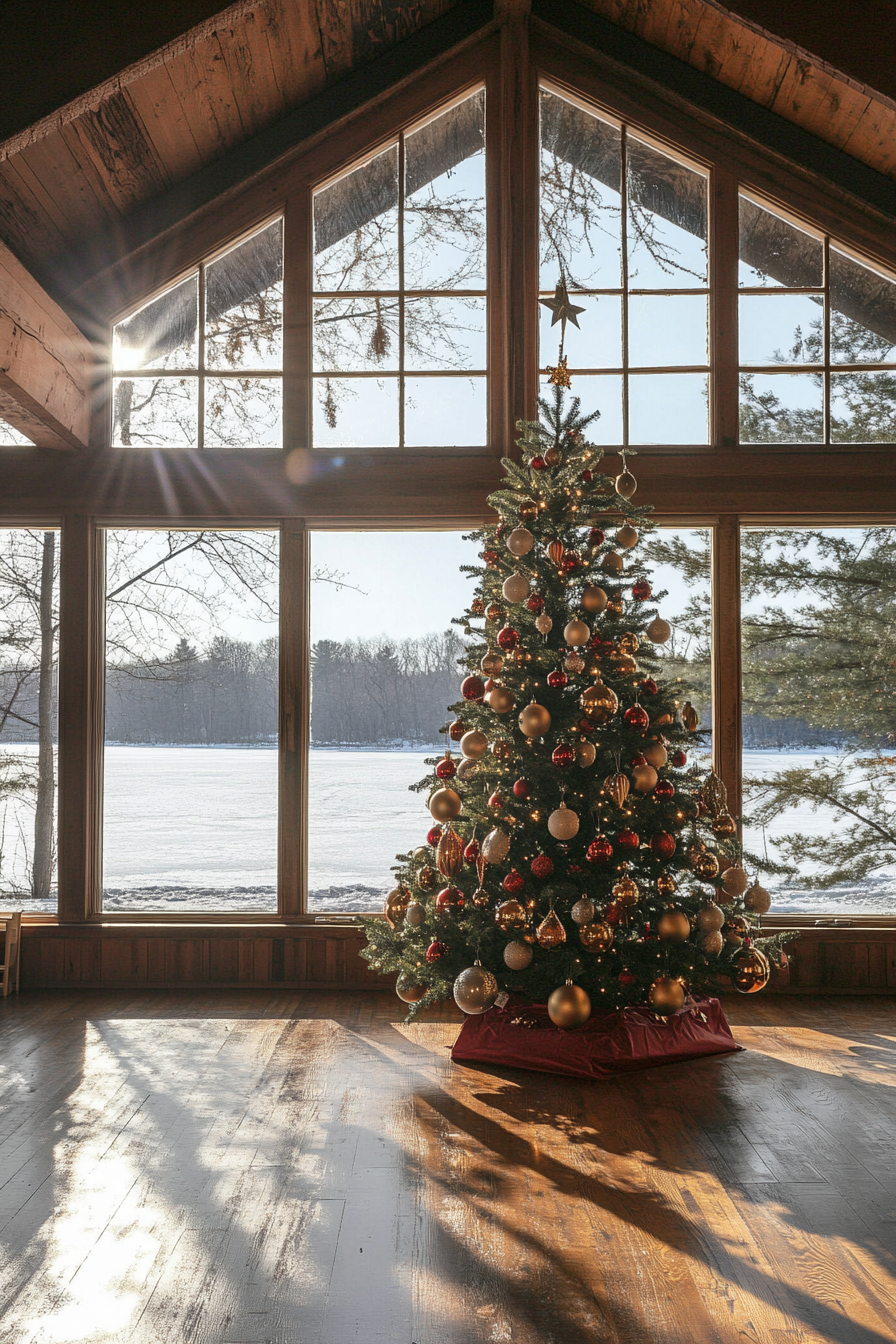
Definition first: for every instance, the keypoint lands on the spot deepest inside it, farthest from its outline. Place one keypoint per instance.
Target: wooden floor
(302, 1168)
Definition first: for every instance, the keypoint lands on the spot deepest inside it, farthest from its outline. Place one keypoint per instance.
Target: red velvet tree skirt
(608, 1043)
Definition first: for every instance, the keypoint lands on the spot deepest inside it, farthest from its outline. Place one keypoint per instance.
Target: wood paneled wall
(165, 956)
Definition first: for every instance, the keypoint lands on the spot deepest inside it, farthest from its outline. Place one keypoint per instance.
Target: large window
(400, 292)
(817, 337)
(190, 776)
(201, 365)
(624, 224)
(29, 635)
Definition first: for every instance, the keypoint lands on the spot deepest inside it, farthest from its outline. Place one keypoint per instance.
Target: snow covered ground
(194, 829)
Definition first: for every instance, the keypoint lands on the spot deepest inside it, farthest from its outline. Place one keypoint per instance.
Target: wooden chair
(10, 967)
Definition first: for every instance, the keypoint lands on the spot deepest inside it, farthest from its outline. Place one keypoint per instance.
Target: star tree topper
(562, 311)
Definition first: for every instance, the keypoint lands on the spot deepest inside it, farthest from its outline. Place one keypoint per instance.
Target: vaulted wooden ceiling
(86, 168)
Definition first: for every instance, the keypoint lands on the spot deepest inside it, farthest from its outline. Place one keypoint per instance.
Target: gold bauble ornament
(750, 971)
(481, 899)
(626, 485)
(520, 541)
(466, 768)
(552, 456)
(473, 744)
(501, 750)
(445, 804)
(710, 917)
(735, 929)
(475, 990)
(426, 879)
(734, 881)
(543, 624)
(396, 906)
(627, 537)
(534, 720)
(563, 823)
(456, 730)
(629, 642)
(655, 754)
(583, 911)
(625, 891)
(569, 1006)
(757, 899)
(714, 794)
(724, 824)
(516, 588)
(689, 717)
(573, 663)
(712, 943)
(550, 932)
(624, 663)
(612, 562)
(494, 613)
(511, 916)
(518, 956)
(407, 991)
(666, 994)
(705, 865)
(617, 787)
(586, 754)
(673, 926)
(658, 631)
(450, 853)
(596, 937)
(615, 605)
(500, 700)
(492, 664)
(528, 511)
(594, 599)
(495, 846)
(598, 703)
(477, 607)
(665, 884)
(577, 633)
(644, 778)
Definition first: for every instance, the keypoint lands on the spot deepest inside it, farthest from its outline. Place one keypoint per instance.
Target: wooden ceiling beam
(46, 363)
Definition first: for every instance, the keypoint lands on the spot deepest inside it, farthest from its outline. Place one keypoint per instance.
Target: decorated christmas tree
(576, 853)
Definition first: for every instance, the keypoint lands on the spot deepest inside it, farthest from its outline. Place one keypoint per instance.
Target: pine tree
(573, 841)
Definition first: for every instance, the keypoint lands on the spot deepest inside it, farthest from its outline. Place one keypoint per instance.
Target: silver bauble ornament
(658, 631)
(520, 541)
(518, 956)
(757, 899)
(583, 911)
(734, 881)
(475, 989)
(569, 1006)
(495, 846)
(516, 588)
(563, 823)
(626, 485)
(415, 914)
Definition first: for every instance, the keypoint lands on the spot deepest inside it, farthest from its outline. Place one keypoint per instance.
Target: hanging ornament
(666, 791)
(535, 720)
(599, 851)
(520, 541)
(637, 717)
(577, 633)
(514, 882)
(407, 991)
(516, 588)
(456, 730)
(535, 603)
(563, 755)
(426, 879)
(629, 642)
(563, 823)
(477, 607)
(517, 956)
(415, 914)
(665, 884)
(569, 1006)
(495, 846)
(673, 926)
(655, 754)
(544, 624)
(626, 892)
(433, 835)
(500, 700)
(750, 971)
(538, 463)
(706, 865)
(573, 663)
(710, 918)
(666, 994)
(617, 787)
(396, 906)
(757, 899)
(445, 804)
(583, 911)
(626, 485)
(615, 606)
(560, 307)
(612, 562)
(714, 794)
(481, 899)
(734, 881)
(508, 638)
(598, 703)
(446, 769)
(528, 511)
(624, 663)
(556, 551)
(711, 943)
(490, 557)
(596, 937)
(542, 866)
(689, 717)
(663, 844)
(450, 854)
(511, 915)
(475, 989)
(472, 688)
(628, 839)
(466, 768)
(494, 613)
(502, 750)
(586, 754)
(594, 599)
(522, 789)
(450, 901)
(724, 824)
(557, 679)
(735, 930)
(492, 664)
(550, 932)
(644, 778)
(436, 951)
(658, 631)
(473, 744)
(641, 590)
(627, 537)
(558, 374)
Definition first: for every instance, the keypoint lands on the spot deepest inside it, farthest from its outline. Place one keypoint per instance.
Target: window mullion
(723, 356)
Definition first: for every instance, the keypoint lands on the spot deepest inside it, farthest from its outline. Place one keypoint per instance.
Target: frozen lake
(194, 829)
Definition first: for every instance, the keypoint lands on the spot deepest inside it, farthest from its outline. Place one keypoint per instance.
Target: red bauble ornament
(612, 914)
(586, 476)
(535, 603)
(471, 853)
(496, 801)
(521, 789)
(563, 755)
(599, 851)
(508, 638)
(436, 950)
(538, 463)
(446, 770)
(665, 789)
(596, 537)
(637, 717)
(627, 979)
(433, 835)
(679, 758)
(513, 882)
(557, 679)
(628, 839)
(570, 562)
(663, 844)
(542, 866)
(472, 688)
(448, 900)
(641, 590)
(639, 760)
(490, 557)
(649, 686)
(586, 726)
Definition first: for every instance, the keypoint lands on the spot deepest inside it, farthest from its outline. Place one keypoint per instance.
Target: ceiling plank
(46, 364)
